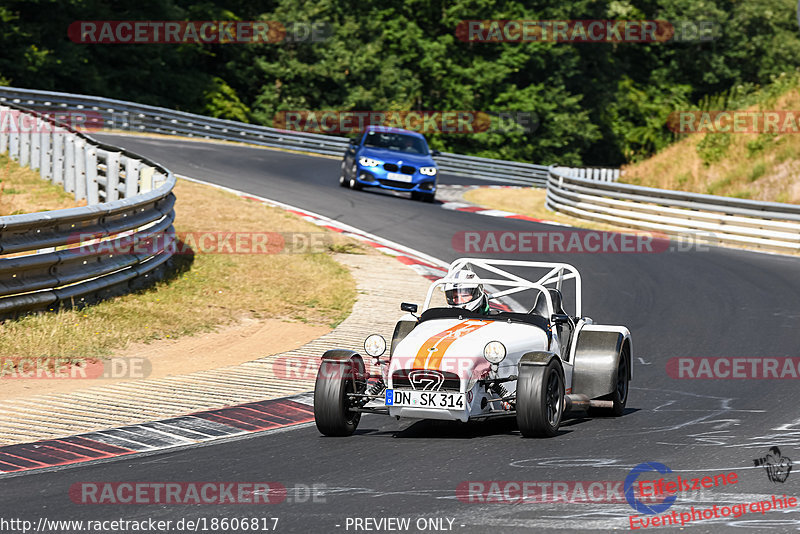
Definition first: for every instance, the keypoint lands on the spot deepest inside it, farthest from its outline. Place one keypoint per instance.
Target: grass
(23, 191)
(217, 289)
(760, 166)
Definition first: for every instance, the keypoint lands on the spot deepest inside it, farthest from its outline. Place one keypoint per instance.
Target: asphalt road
(704, 302)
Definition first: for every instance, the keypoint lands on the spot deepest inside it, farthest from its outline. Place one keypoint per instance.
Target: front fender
(342, 357)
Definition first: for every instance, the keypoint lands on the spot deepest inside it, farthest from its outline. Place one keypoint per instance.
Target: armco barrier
(714, 219)
(128, 197)
(121, 115)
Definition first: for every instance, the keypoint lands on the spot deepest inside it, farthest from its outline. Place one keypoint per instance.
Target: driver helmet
(465, 294)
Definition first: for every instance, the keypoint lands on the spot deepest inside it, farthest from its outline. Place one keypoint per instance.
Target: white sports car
(450, 363)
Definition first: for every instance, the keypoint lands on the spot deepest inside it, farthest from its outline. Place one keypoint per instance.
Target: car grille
(400, 379)
(393, 183)
(405, 169)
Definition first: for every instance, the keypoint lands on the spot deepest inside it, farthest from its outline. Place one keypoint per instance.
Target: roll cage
(555, 275)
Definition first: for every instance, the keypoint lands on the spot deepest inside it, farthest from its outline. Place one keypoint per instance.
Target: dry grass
(217, 289)
(23, 191)
(526, 201)
(755, 166)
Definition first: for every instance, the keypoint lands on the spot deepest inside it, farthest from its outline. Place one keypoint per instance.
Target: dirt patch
(230, 345)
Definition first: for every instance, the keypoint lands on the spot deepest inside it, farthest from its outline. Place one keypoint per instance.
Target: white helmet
(463, 294)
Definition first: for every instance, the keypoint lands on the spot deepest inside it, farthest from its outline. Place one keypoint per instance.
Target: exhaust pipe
(576, 402)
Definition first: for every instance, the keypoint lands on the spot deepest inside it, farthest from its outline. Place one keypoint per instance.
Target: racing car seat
(540, 308)
(564, 331)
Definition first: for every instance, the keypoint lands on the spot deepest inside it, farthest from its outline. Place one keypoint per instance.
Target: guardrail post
(13, 145)
(5, 127)
(69, 163)
(146, 179)
(46, 154)
(603, 175)
(112, 176)
(36, 139)
(57, 176)
(24, 148)
(92, 196)
(131, 177)
(80, 169)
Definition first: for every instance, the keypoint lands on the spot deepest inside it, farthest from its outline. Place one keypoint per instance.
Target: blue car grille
(405, 169)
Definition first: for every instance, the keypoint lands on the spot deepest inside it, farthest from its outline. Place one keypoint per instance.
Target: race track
(713, 302)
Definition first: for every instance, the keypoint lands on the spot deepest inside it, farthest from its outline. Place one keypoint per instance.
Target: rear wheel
(333, 413)
(540, 400)
(618, 397)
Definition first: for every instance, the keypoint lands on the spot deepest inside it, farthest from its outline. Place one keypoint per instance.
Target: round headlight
(494, 352)
(375, 345)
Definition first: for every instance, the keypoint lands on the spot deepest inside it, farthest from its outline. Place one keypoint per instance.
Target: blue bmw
(390, 158)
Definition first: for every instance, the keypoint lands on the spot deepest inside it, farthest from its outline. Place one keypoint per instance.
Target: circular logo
(636, 504)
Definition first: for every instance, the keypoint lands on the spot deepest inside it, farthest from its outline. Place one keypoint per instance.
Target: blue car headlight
(368, 162)
(428, 171)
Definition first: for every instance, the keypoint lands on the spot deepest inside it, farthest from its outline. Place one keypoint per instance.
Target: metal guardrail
(603, 175)
(708, 218)
(42, 262)
(129, 116)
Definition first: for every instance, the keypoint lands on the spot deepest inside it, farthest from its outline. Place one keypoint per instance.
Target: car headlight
(375, 345)
(494, 352)
(428, 171)
(368, 162)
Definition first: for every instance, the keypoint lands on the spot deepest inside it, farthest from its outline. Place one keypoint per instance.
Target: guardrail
(42, 265)
(129, 116)
(708, 218)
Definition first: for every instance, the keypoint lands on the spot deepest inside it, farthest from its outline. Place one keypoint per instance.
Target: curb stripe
(157, 435)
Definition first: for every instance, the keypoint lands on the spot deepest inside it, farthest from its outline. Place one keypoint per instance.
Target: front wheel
(343, 175)
(333, 412)
(540, 400)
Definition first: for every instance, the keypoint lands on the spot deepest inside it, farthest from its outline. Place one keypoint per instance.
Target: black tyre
(428, 197)
(540, 400)
(332, 413)
(414, 195)
(619, 397)
(354, 185)
(343, 176)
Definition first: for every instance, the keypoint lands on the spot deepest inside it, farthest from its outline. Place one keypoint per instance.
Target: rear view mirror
(408, 307)
(435, 153)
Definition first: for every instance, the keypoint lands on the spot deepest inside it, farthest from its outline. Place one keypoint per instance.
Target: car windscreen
(396, 141)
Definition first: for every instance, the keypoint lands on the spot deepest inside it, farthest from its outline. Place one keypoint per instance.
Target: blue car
(390, 158)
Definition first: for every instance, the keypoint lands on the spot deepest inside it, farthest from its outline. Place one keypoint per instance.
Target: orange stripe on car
(431, 352)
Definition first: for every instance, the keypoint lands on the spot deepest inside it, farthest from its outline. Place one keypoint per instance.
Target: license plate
(398, 177)
(425, 399)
